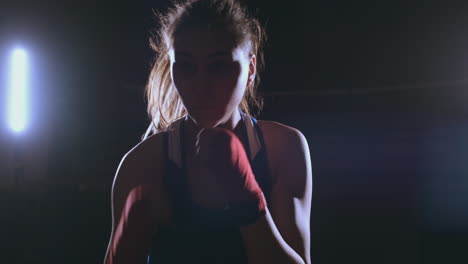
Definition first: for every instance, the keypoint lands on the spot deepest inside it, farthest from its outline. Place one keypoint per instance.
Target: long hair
(164, 103)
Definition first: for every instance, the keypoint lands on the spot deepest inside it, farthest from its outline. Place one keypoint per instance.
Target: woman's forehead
(203, 42)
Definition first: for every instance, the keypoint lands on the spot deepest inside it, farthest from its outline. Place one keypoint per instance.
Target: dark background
(377, 87)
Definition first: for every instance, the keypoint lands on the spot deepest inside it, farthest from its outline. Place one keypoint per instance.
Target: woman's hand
(224, 176)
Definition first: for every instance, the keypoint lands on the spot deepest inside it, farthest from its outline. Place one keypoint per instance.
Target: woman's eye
(185, 67)
(220, 66)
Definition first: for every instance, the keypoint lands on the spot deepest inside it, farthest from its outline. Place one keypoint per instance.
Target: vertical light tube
(17, 99)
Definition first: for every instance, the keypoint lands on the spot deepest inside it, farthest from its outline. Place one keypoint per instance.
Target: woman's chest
(191, 183)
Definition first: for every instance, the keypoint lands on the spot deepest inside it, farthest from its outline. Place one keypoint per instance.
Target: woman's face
(210, 73)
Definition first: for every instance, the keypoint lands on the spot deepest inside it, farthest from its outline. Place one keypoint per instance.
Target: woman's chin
(206, 119)
(206, 123)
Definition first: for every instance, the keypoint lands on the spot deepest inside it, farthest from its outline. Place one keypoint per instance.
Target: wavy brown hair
(164, 103)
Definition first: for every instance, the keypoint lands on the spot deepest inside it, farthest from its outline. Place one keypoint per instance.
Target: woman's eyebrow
(183, 53)
(214, 54)
(220, 53)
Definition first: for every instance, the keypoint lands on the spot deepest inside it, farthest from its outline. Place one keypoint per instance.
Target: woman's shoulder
(140, 163)
(282, 142)
(142, 166)
(276, 130)
(280, 139)
(147, 151)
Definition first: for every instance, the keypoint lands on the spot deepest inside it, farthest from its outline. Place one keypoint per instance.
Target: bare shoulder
(283, 143)
(146, 153)
(142, 165)
(282, 137)
(276, 129)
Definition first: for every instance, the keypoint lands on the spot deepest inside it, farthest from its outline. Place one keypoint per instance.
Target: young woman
(209, 183)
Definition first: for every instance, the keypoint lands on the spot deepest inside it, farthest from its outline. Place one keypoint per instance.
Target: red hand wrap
(133, 232)
(223, 153)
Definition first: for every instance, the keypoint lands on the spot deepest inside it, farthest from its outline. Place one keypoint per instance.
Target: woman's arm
(135, 197)
(131, 238)
(283, 234)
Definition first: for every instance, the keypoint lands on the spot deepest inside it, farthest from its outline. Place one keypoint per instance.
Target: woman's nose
(202, 82)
